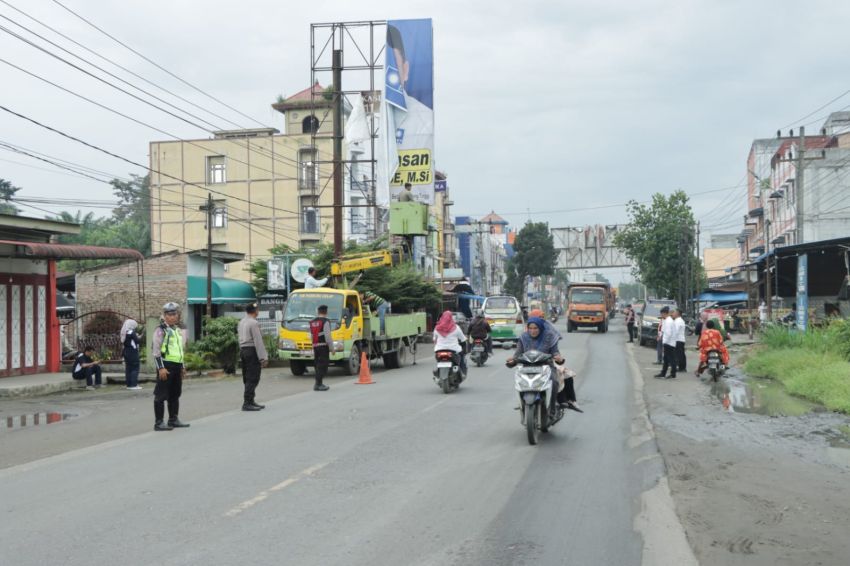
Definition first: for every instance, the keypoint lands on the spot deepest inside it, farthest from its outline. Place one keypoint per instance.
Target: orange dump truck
(589, 305)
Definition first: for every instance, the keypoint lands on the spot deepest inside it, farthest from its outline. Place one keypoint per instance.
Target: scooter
(537, 388)
(715, 365)
(447, 374)
(479, 352)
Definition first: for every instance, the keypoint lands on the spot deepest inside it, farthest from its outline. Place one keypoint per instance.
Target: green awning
(223, 291)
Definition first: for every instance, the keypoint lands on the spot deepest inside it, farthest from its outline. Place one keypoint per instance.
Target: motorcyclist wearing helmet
(479, 329)
(167, 347)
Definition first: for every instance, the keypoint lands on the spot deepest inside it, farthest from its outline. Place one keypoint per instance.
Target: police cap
(170, 307)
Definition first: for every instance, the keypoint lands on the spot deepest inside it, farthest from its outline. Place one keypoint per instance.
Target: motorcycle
(715, 365)
(537, 389)
(447, 374)
(553, 317)
(478, 354)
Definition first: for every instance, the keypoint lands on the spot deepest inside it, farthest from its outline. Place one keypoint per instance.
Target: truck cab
(589, 305)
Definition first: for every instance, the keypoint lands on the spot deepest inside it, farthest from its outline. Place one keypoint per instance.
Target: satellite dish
(299, 269)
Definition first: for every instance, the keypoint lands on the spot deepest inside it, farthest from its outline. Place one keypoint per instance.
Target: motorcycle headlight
(286, 344)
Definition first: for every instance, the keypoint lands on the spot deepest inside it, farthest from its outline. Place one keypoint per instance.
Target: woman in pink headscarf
(447, 336)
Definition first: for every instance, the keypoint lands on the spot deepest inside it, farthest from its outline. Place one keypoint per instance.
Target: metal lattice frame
(588, 247)
(364, 41)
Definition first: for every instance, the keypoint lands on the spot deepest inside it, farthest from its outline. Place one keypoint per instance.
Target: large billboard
(407, 140)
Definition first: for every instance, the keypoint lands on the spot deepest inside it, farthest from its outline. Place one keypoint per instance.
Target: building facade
(267, 189)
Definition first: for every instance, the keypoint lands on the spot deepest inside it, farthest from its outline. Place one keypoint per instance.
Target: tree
(7, 193)
(660, 239)
(132, 217)
(535, 256)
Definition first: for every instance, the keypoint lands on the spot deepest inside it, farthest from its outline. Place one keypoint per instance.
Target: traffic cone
(365, 372)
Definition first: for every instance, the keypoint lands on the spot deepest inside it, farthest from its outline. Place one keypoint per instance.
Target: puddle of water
(37, 419)
(759, 396)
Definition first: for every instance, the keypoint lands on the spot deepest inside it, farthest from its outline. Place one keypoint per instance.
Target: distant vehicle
(589, 305)
(505, 317)
(462, 322)
(649, 319)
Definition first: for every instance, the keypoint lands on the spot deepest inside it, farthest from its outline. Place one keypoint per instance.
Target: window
(310, 220)
(308, 170)
(215, 170)
(310, 125)
(358, 216)
(220, 217)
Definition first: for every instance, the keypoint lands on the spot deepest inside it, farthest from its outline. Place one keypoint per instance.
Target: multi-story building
(267, 188)
(777, 216)
(483, 253)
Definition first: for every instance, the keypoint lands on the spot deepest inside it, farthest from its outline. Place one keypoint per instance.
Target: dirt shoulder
(749, 488)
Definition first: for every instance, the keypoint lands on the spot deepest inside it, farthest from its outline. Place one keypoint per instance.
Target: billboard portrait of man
(409, 92)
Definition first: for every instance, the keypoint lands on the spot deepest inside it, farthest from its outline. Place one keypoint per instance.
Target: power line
(816, 110)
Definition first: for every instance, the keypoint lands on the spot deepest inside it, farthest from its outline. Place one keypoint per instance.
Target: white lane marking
(263, 495)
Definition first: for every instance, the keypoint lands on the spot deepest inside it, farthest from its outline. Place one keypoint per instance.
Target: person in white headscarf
(131, 341)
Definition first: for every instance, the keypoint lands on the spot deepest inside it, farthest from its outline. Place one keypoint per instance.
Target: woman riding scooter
(447, 336)
(538, 337)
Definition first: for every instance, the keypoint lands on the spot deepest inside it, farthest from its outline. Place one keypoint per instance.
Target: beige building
(268, 189)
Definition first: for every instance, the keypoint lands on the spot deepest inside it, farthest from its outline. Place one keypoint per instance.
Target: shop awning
(223, 291)
(41, 250)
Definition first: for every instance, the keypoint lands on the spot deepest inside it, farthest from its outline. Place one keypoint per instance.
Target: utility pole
(767, 289)
(209, 208)
(337, 150)
(801, 151)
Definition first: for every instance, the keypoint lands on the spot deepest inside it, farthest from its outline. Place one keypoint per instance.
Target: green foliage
(198, 361)
(128, 227)
(535, 256)
(660, 239)
(7, 193)
(630, 291)
(403, 286)
(220, 340)
(833, 339)
(820, 377)
(270, 342)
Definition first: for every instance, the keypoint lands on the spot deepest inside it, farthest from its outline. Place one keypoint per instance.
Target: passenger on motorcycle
(711, 339)
(479, 329)
(447, 336)
(538, 337)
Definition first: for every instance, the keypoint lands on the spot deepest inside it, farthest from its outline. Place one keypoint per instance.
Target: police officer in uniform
(252, 352)
(168, 346)
(320, 332)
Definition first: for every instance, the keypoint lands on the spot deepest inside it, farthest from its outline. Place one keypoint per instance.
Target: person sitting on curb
(85, 367)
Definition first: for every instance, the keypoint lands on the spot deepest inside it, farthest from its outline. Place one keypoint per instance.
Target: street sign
(802, 291)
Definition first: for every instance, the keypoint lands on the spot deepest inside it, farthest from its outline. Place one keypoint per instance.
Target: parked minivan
(504, 315)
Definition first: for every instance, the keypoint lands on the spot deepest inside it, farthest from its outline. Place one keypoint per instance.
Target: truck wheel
(570, 327)
(641, 342)
(297, 367)
(352, 366)
(402, 355)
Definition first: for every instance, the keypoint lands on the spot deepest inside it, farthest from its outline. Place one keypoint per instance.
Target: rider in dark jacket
(479, 328)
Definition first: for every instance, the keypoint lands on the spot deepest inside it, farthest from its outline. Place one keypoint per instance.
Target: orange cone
(365, 372)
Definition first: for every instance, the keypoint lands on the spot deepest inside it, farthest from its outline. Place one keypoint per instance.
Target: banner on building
(802, 291)
(406, 140)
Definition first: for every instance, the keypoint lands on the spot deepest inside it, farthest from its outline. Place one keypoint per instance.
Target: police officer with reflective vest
(320, 332)
(168, 346)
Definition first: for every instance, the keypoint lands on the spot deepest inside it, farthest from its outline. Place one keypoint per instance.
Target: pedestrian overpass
(588, 247)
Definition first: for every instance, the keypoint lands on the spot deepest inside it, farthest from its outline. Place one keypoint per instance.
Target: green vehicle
(504, 315)
(354, 330)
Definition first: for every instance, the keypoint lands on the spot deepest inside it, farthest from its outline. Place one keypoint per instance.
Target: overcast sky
(541, 107)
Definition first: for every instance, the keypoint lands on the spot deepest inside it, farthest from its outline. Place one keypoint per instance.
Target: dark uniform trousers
(670, 360)
(680, 356)
(250, 372)
(321, 355)
(168, 390)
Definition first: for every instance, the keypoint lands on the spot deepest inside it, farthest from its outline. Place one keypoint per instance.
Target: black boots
(177, 423)
(251, 407)
(160, 426)
(320, 387)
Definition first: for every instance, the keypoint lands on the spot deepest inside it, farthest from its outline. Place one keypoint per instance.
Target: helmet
(170, 307)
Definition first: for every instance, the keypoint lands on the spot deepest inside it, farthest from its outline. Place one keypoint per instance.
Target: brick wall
(116, 288)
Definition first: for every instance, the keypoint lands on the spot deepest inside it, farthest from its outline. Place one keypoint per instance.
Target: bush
(220, 340)
(197, 361)
(271, 347)
(103, 323)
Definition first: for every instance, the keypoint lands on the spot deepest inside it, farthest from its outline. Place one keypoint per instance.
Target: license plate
(308, 353)
(444, 364)
(478, 349)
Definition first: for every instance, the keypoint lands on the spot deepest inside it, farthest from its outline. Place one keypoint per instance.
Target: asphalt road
(392, 473)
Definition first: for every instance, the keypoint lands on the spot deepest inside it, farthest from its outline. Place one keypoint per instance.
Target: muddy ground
(751, 488)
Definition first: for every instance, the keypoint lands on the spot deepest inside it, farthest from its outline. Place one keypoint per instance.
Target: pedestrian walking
(131, 340)
(86, 367)
(679, 323)
(668, 339)
(252, 352)
(630, 322)
(311, 282)
(320, 332)
(168, 345)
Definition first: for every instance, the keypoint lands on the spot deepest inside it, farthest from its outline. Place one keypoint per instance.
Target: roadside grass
(816, 374)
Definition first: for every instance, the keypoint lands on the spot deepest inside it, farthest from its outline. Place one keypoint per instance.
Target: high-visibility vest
(172, 346)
